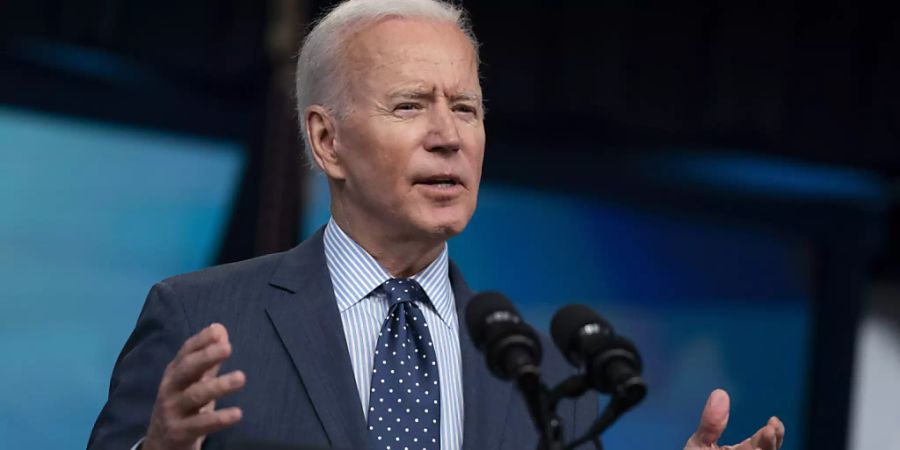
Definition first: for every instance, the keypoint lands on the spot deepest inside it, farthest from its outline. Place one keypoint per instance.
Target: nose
(443, 135)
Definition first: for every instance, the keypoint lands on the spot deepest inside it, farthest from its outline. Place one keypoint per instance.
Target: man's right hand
(184, 412)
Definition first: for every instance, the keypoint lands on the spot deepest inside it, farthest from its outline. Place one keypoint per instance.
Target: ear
(321, 132)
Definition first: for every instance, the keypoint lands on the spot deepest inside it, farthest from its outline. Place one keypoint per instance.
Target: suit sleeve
(161, 329)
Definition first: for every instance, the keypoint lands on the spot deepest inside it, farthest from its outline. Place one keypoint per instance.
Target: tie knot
(401, 290)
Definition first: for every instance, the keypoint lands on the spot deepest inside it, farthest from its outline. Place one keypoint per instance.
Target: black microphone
(511, 346)
(513, 352)
(612, 363)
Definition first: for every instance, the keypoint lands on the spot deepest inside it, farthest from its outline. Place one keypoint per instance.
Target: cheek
(476, 157)
(476, 140)
(388, 176)
(377, 157)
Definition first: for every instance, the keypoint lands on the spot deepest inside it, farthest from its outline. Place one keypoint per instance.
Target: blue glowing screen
(91, 215)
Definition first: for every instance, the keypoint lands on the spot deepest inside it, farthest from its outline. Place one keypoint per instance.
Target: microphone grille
(480, 308)
(568, 321)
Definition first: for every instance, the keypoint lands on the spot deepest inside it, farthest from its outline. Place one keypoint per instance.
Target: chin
(442, 222)
(447, 231)
(448, 226)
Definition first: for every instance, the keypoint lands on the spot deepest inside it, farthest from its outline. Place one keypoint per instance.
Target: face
(406, 155)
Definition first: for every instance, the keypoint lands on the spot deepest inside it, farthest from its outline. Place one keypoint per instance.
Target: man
(314, 345)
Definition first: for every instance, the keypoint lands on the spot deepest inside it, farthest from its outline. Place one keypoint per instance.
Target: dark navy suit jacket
(287, 336)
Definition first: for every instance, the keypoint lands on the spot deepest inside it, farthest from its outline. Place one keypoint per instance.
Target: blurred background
(727, 174)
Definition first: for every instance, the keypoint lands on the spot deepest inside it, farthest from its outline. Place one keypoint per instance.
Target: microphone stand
(575, 386)
(613, 411)
(541, 409)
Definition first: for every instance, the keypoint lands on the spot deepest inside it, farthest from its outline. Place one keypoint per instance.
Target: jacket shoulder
(223, 288)
(254, 269)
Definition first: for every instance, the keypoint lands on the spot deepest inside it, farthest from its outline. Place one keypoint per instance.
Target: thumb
(712, 421)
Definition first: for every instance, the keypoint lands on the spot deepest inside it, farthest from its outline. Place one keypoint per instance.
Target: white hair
(320, 79)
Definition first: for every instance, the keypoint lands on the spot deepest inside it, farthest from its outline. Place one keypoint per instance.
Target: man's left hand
(715, 418)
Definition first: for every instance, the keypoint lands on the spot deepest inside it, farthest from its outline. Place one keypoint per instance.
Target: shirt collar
(355, 273)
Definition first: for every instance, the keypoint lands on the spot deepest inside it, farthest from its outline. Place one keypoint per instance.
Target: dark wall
(814, 80)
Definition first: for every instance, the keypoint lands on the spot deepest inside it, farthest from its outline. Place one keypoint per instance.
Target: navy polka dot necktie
(404, 401)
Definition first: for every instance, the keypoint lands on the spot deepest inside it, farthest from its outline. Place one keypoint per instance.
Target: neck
(400, 255)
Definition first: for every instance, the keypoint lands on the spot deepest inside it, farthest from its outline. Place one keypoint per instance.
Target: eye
(466, 109)
(408, 107)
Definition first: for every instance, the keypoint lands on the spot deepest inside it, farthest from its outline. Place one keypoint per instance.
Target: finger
(769, 437)
(765, 438)
(215, 332)
(779, 431)
(744, 445)
(202, 424)
(192, 367)
(769, 441)
(712, 421)
(202, 393)
(211, 372)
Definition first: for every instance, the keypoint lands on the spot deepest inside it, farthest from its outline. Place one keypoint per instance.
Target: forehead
(413, 51)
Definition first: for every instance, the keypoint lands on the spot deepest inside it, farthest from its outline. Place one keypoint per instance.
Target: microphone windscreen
(480, 308)
(568, 321)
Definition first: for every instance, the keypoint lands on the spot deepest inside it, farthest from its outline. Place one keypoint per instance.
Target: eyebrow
(466, 97)
(413, 94)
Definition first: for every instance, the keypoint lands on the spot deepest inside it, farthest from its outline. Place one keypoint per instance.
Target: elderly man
(352, 339)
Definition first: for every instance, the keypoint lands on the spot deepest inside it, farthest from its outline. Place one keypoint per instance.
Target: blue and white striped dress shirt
(355, 275)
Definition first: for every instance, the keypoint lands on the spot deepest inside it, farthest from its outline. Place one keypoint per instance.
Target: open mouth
(440, 181)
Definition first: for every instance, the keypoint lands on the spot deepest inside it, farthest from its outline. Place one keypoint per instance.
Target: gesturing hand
(184, 412)
(715, 418)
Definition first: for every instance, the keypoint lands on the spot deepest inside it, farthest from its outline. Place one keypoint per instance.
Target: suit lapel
(306, 318)
(485, 398)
